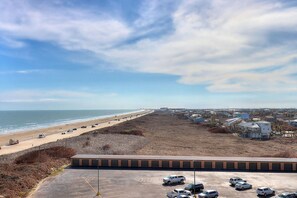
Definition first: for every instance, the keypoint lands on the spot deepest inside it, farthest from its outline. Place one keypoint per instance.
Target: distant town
(247, 123)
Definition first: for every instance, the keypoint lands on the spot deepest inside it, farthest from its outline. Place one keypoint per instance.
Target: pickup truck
(174, 179)
(264, 191)
(234, 180)
(177, 192)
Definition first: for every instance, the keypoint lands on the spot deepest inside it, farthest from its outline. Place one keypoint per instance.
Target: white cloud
(217, 43)
(50, 96)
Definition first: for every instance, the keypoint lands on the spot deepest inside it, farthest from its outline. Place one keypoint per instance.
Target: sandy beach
(29, 139)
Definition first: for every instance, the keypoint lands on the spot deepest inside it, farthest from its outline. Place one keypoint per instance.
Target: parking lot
(148, 183)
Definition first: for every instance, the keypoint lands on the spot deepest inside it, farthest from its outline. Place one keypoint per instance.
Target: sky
(128, 54)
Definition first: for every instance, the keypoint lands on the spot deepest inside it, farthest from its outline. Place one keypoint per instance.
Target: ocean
(15, 121)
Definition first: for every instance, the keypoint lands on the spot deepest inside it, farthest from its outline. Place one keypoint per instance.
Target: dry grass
(284, 154)
(136, 132)
(217, 130)
(106, 147)
(18, 178)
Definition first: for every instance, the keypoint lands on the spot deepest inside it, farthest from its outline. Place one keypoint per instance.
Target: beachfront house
(198, 120)
(255, 130)
(243, 116)
(293, 123)
(230, 124)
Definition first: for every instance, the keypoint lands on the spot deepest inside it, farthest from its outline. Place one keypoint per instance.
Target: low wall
(186, 162)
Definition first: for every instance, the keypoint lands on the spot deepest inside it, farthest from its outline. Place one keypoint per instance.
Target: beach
(29, 139)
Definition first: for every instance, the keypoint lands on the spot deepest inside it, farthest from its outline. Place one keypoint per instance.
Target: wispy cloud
(216, 43)
(50, 96)
(27, 71)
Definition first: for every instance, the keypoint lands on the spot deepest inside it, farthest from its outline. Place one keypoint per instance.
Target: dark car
(194, 188)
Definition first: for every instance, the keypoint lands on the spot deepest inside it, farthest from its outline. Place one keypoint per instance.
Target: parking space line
(90, 185)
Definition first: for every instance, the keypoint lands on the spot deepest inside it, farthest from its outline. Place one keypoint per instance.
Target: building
(293, 123)
(270, 118)
(243, 116)
(255, 130)
(198, 120)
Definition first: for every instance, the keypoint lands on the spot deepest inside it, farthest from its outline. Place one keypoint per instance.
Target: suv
(173, 179)
(194, 188)
(264, 191)
(178, 192)
(208, 194)
(235, 180)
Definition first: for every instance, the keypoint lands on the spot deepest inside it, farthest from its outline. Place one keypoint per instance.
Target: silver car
(243, 185)
(208, 194)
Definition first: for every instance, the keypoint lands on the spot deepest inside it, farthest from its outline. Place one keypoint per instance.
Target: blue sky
(100, 54)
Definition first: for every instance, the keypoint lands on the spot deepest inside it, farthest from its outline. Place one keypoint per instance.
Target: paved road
(148, 184)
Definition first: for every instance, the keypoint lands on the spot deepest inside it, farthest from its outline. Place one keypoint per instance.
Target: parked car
(243, 185)
(235, 180)
(63, 133)
(264, 191)
(174, 179)
(13, 142)
(93, 126)
(84, 127)
(185, 196)
(69, 131)
(177, 192)
(194, 188)
(287, 195)
(208, 194)
(74, 129)
(41, 135)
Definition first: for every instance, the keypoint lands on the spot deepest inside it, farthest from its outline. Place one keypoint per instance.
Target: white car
(242, 186)
(185, 196)
(178, 192)
(174, 179)
(234, 180)
(208, 194)
(264, 191)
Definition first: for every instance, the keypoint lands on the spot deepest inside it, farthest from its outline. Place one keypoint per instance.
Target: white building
(256, 130)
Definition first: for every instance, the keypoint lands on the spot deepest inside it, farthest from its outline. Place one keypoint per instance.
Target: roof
(263, 122)
(185, 158)
(249, 125)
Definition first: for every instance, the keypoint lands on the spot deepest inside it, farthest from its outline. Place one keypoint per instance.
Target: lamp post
(98, 193)
(194, 179)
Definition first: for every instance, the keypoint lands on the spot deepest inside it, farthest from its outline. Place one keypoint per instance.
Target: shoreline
(29, 139)
(61, 123)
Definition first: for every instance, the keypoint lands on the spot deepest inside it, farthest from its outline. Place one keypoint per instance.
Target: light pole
(98, 193)
(194, 179)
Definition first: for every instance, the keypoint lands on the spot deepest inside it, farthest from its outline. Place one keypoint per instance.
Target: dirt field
(169, 135)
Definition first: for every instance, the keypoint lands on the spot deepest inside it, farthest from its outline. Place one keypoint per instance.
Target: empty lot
(148, 184)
